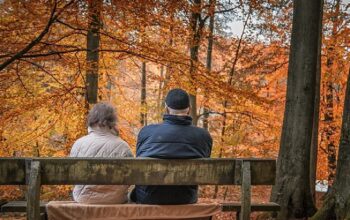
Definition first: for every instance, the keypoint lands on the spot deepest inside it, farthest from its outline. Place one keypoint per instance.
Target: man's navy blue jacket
(175, 138)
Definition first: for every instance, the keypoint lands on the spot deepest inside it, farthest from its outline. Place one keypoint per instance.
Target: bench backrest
(129, 171)
(142, 171)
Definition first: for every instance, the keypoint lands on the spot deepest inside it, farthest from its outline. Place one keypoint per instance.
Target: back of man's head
(177, 102)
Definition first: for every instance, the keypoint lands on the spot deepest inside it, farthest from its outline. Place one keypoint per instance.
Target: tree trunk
(209, 60)
(165, 88)
(92, 54)
(330, 128)
(292, 188)
(160, 92)
(168, 69)
(330, 132)
(143, 119)
(337, 202)
(196, 26)
(314, 141)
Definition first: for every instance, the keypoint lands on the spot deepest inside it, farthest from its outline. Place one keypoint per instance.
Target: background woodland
(53, 53)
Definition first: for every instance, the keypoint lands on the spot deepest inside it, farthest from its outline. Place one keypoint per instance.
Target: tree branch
(52, 19)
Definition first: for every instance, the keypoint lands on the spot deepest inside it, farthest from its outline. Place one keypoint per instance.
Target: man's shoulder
(149, 127)
(202, 134)
(117, 141)
(201, 131)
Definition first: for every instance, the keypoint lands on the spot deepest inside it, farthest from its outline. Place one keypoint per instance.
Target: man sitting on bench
(175, 138)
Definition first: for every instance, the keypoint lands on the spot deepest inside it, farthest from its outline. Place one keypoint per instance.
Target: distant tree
(315, 129)
(212, 4)
(336, 205)
(329, 131)
(143, 119)
(196, 27)
(235, 59)
(292, 189)
(92, 53)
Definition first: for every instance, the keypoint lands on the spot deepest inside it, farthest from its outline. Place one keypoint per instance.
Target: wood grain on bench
(140, 171)
(68, 171)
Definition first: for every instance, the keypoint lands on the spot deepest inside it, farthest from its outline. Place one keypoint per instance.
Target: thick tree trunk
(209, 60)
(92, 54)
(314, 141)
(292, 188)
(196, 26)
(337, 202)
(143, 119)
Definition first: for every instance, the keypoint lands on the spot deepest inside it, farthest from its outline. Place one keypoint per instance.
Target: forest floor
(259, 194)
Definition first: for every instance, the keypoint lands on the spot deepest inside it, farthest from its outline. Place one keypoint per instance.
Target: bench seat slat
(20, 206)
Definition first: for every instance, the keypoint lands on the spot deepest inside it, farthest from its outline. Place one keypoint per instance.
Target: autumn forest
(266, 78)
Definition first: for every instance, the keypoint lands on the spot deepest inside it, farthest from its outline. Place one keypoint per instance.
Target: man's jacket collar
(177, 119)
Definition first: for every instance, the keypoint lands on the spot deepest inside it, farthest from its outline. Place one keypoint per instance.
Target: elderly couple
(174, 138)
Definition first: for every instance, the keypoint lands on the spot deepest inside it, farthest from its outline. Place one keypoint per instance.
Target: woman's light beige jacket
(100, 142)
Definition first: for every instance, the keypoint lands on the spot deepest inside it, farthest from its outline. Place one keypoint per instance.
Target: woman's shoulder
(77, 146)
(121, 146)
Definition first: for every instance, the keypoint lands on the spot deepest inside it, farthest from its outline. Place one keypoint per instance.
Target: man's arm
(209, 142)
(140, 140)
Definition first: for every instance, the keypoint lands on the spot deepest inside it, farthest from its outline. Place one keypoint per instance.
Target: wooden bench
(35, 172)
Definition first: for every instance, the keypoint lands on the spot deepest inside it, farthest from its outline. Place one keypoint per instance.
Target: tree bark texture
(292, 188)
(92, 54)
(143, 119)
(315, 129)
(209, 60)
(196, 26)
(168, 69)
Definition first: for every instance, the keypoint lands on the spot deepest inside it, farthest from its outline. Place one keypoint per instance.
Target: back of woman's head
(102, 115)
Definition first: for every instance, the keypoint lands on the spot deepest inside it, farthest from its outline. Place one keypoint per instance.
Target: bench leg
(238, 215)
(274, 215)
(43, 216)
(245, 196)
(33, 199)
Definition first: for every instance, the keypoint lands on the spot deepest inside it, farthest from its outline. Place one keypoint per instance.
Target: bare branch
(52, 19)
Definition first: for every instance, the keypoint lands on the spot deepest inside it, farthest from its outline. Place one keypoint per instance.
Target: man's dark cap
(177, 99)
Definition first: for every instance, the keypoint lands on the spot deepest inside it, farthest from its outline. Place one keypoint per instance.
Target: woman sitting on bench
(102, 141)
